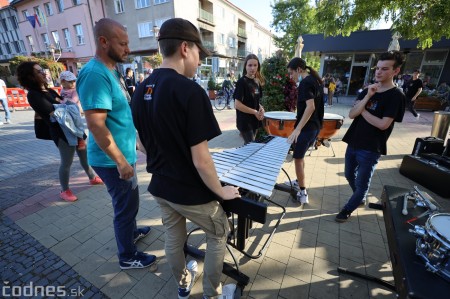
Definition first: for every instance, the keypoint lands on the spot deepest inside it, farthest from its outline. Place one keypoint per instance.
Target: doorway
(357, 79)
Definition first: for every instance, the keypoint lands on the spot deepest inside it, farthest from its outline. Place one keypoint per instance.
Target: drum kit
(282, 123)
(433, 238)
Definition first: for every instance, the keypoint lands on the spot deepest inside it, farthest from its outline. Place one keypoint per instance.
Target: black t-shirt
(249, 93)
(173, 113)
(42, 103)
(309, 88)
(129, 84)
(362, 135)
(412, 87)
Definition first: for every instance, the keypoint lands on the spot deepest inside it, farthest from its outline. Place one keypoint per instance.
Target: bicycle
(220, 102)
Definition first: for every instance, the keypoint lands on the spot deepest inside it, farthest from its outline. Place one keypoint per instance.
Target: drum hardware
(420, 199)
(433, 244)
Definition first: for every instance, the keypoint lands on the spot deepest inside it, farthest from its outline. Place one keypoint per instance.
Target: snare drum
(433, 244)
(331, 124)
(279, 123)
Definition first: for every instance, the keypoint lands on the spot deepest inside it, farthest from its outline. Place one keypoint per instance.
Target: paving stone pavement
(54, 243)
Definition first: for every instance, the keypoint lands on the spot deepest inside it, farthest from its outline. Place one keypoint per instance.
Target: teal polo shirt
(99, 88)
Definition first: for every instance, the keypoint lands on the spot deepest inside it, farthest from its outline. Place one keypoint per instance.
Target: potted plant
(211, 88)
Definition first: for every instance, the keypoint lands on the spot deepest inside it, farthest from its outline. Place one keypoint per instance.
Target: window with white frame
(45, 40)
(145, 29)
(59, 5)
(25, 14)
(232, 42)
(222, 38)
(79, 33)
(37, 11)
(118, 6)
(160, 1)
(67, 38)
(142, 3)
(55, 36)
(30, 42)
(48, 9)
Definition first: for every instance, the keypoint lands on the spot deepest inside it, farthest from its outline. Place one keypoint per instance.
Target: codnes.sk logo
(31, 290)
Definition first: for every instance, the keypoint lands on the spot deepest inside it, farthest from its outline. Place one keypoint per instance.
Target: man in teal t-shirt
(112, 142)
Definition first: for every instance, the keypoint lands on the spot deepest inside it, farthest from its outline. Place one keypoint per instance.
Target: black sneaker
(142, 233)
(343, 216)
(138, 261)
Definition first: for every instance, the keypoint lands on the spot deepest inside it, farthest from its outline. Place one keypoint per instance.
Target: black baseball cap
(178, 28)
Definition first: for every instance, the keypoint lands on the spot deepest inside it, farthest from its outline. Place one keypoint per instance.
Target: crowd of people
(168, 116)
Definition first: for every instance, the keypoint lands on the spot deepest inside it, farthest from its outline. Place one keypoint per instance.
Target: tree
(294, 18)
(279, 91)
(55, 67)
(425, 20)
(154, 60)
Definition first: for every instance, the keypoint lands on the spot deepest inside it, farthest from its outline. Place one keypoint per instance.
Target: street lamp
(156, 33)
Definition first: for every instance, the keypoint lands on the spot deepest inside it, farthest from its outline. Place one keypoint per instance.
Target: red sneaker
(67, 195)
(96, 181)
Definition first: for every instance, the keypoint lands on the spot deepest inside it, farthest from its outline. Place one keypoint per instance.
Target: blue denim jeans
(5, 107)
(125, 200)
(359, 168)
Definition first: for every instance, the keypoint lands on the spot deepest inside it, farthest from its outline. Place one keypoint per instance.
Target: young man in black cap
(174, 119)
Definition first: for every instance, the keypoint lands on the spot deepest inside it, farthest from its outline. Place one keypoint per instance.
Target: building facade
(63, 29)
(11, 39)
(352, 58)
(226, 30)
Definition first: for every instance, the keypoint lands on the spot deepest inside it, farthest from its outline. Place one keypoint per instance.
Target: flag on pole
(32, 21)
(37, 20)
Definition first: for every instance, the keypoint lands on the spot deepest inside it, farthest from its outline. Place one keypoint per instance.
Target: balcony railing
(242, 32)
(241, 53)
(207, 16)
(208, 45)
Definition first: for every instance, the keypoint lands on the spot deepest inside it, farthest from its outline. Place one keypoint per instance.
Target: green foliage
(294, 18)
(278, 84)
(154, 60)
(4, 72)
(212, 84)
(425, 20)
(55, 67)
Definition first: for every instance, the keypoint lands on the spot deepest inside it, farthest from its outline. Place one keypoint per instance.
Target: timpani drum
(279, 123)
(433, 244)
(331, 124)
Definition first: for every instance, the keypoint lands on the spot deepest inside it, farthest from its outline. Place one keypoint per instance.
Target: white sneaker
(302, 196)
(192, 267)
(294, 184)
(418, 115)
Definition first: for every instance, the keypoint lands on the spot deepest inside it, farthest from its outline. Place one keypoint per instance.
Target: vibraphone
(254, 168)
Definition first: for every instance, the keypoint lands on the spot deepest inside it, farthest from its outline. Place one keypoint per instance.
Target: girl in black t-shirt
(247, 95)
(310, 112)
